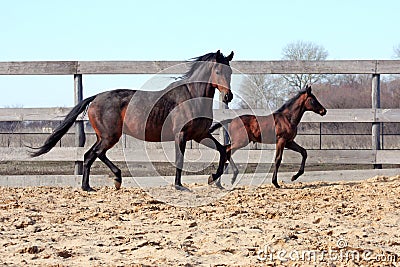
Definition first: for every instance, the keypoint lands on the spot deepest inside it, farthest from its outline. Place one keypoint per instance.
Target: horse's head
(213, 70)
(221, 74)
(311, 103)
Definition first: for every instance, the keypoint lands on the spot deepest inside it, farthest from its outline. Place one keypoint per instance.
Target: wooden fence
(374, 116)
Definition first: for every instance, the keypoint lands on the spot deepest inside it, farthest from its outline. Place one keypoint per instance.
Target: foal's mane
(291, 101)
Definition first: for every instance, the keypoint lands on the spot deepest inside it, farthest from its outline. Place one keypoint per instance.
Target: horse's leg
(280, 145)
(295, 147)
(114, 169)
(106, 116)
(89, 158)
(98, 150)
(180, 145)
(222, 160)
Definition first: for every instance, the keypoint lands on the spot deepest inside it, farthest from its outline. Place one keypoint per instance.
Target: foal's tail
(69, 120)
(219, 125)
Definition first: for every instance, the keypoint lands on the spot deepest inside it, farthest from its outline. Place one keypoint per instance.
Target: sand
(302, 224)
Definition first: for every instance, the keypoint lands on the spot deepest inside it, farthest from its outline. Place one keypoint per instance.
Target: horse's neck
(200, 89)
(295, 112)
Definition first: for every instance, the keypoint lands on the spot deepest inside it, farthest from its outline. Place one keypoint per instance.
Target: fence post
(376, 127)
(79, 126)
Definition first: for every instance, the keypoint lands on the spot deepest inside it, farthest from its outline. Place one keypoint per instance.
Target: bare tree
(271, 91)
(345, 91)
(251, 92)
(302, 50)
(262, 91)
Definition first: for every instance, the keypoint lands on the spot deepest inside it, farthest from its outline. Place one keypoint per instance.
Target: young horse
(279, 127)
(181, 112)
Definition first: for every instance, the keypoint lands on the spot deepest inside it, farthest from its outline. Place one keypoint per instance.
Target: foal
(279, 127)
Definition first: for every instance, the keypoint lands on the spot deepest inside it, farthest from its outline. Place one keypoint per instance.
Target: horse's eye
(217, 72)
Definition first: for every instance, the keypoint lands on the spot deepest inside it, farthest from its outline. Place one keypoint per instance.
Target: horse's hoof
(277, 185)
(210, 180)
(294, 178)
(117, 184)
(88, 189)
(182, 188)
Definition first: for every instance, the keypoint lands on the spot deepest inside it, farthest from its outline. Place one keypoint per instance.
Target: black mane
(196, 61)
(291, 101)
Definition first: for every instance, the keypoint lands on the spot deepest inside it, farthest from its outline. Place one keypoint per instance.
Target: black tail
(69, 120)
(219, 125)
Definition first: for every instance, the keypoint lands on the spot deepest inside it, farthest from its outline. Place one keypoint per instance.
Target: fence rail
(246, 67)
(333, 115)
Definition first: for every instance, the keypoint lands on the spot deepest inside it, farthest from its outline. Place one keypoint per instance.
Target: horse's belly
(150, 133)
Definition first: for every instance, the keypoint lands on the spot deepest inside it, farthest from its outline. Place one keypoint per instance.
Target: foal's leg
(229, 152)
(295, 147)
(280, 145)
(235, 170)
(180, 145)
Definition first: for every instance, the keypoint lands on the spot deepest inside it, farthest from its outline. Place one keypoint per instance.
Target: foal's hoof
(117, 184)
(88, 189)
(182, 188)
(294, 178)
(217, 184)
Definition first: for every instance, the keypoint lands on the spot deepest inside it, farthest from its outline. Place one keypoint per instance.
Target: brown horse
(280, 127)
(181, 112)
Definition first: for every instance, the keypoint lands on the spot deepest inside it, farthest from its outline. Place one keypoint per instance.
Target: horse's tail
(69, 120)
(219, 125)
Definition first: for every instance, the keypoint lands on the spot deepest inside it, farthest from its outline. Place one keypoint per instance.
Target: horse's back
(118, 98)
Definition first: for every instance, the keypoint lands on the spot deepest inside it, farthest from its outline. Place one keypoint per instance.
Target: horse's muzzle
(227, 97)
(322, 112)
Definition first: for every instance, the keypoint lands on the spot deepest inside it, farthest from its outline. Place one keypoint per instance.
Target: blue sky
(178, 30)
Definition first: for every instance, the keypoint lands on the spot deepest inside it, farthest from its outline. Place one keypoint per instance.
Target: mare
(280, 128)
(180, 112)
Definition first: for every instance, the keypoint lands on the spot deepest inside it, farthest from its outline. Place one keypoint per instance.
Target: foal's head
(311, 103)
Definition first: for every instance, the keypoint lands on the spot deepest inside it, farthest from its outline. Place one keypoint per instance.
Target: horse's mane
(194, 64)
(291, 101)
(196, 61)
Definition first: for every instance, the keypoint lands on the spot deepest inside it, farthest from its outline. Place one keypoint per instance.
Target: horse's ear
(218, 54)
(229, 58)
(308, 89)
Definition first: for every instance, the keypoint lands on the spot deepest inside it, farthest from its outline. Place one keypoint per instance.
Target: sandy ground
(302, 224)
